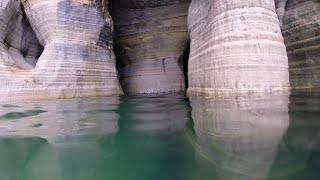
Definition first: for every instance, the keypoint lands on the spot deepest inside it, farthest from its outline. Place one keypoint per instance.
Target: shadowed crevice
(183, 62)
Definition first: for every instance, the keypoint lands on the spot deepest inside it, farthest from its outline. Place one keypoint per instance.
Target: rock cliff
(150, 40)
(301, 31)
(64, 48)
(77, 59)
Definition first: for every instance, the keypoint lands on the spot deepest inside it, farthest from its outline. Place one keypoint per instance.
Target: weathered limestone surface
(21, 41)
(236, 47)
(301, 31)
(77, 59)
(150, 39)
(64, 48)
(10, 51)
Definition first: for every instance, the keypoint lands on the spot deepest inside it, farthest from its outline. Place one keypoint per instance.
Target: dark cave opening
(123, 57)
(184, 63)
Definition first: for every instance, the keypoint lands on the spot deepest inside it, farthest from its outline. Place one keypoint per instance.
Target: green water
(274, 137)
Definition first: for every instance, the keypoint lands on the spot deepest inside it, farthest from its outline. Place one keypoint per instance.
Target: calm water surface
(162, 138)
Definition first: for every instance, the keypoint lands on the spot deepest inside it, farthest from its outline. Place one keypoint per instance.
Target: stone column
(236, 47)
(77, 37)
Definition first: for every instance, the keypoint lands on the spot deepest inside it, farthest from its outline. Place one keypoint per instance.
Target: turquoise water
(274, 137)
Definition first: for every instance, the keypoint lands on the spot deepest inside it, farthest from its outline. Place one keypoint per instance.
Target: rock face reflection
(136, 138)
(56, 140)
(240, 135)
(58, 119)
(151, 142)
(298, 155)
(164, 114)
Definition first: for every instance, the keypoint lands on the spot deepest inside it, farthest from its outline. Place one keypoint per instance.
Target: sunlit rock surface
(77, 59)
(301, 31)
(236, 46)
(151, 37)
(21, 42)
(64, 48)
(240, 135)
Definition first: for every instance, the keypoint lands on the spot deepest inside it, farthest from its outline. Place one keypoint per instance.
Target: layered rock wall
(301, 31)
(13, 48)
(150, 39)
(21, 41)
(64, 48)
(236, 47)
(77, 59)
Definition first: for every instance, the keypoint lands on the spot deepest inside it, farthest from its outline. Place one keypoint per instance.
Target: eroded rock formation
(236, 46)
(77, 59)
(64, 48)
(150, 39)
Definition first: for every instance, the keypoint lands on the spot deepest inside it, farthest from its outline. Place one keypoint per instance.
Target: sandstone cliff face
(236, 47)
(301, 31)
(77, 59)
(150, 39)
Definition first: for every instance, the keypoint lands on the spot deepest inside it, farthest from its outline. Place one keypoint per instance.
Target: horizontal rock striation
(301, 31)
(64, 48)
(150, 39)
(236, 47)
(77, 59)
